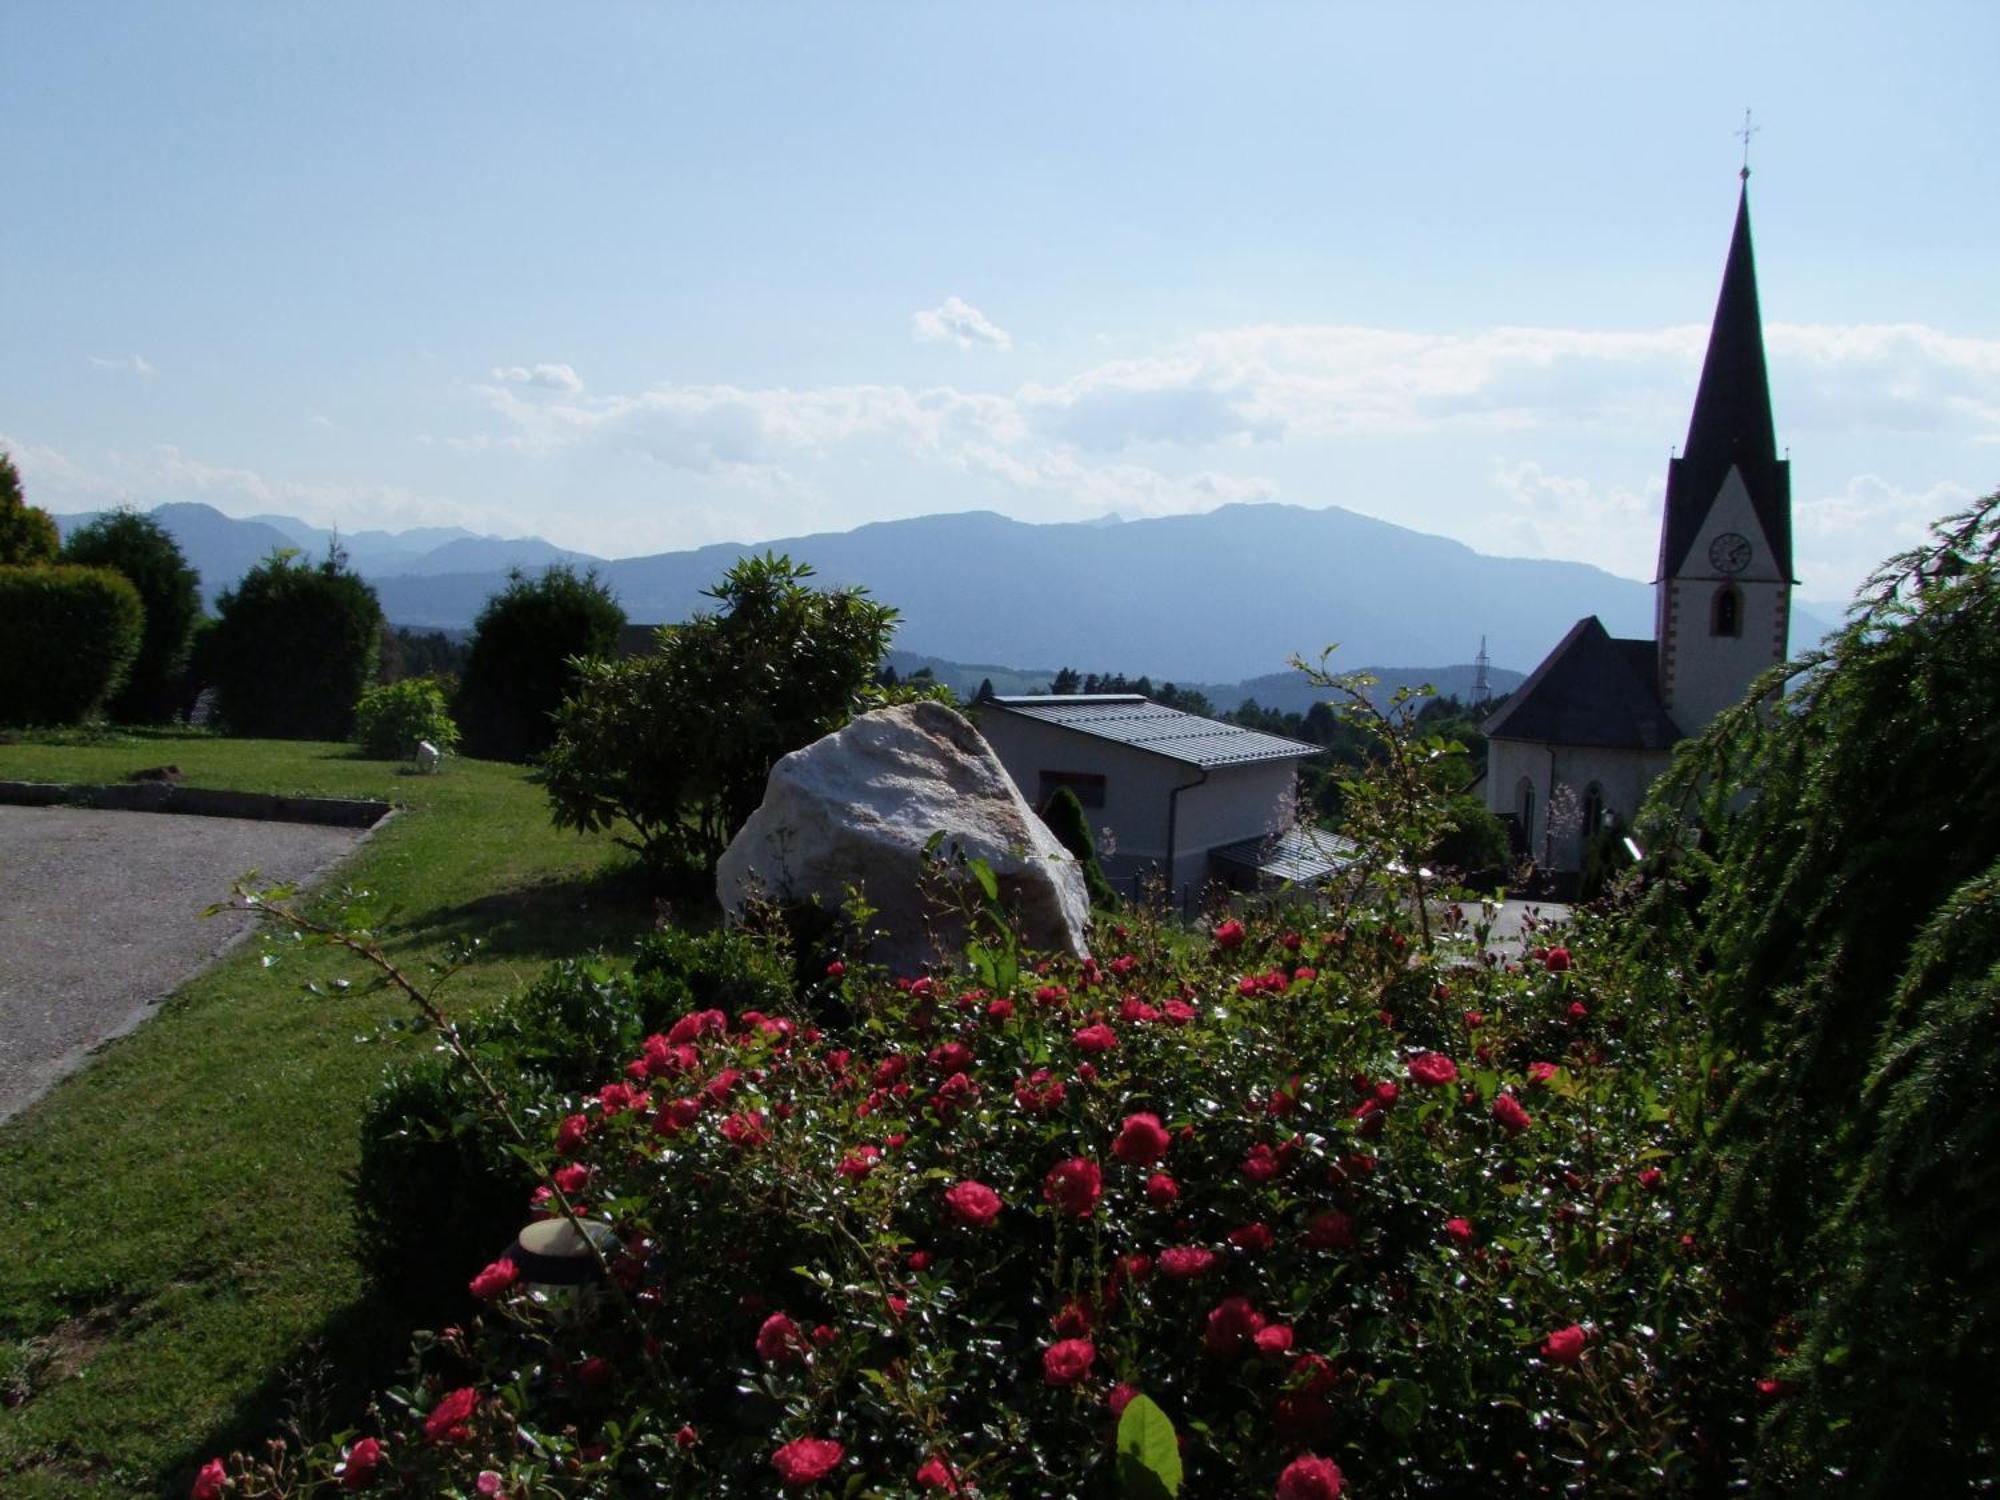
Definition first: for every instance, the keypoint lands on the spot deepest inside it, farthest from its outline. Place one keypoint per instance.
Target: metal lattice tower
(1482, 687)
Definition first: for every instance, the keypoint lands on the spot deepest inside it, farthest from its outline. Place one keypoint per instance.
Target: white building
(1170, 795)
(1588, 731)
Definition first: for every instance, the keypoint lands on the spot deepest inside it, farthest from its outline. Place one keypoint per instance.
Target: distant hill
(1224, 597)
(223, 548)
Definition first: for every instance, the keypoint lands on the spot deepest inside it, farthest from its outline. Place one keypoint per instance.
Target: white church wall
(1561, 778)
(1703, 673)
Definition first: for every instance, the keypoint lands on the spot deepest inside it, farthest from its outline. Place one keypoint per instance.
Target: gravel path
(100, 920)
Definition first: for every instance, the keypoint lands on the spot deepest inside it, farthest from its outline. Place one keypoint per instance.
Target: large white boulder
(856, 808)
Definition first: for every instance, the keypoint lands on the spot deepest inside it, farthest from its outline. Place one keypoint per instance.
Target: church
(1576, 745)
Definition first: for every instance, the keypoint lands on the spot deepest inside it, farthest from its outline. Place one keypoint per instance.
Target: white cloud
(130, 364)
(1844, 534)
(559, 378)
(1565, 516)
(325, 424)
(958, 322)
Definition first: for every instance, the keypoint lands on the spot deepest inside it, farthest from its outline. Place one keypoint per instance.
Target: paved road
(100, 921)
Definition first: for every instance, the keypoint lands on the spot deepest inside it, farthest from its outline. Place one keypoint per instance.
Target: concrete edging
(195, 801)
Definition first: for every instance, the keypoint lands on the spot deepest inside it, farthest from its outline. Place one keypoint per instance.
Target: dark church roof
(1731, 422)
(1591, 690)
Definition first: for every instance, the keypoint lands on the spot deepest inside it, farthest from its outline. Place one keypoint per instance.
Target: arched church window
(1593, 809)
(1726, 614)
(1527, 801)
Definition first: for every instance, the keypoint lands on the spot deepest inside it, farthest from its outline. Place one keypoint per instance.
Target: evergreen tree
(520, 669)
(1063, 812)
(293, 646)
(147, 555)
(27, 534)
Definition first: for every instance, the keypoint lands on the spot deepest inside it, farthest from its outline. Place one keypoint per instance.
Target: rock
(856, 809)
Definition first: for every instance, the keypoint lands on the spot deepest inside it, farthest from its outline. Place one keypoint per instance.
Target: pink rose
(1459, 1229)
(973, 1204)
(1067, 1362)
(1097, 1039)
(1074, 1186)
(1565, 1345)
(450, 1420)
(1184, 1262)
(779, 1341)
(1310, 1478)
(1433, 1069)
(363, 1463)
(1508, 1114)
(1229, 934)
(495, 1279)
(210, 1482)
(806, 1461)
(1142, 1140)
(1162, 1191)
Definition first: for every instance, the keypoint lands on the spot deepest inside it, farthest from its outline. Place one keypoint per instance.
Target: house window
(1593, 809)
(1089, 788)
(1726, 613)
(1527, 800)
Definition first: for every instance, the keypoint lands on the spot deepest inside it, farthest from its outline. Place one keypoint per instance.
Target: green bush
(390, 720)
(69, 636)
(520, 666)
(141, 549)
(1476, 841)
(439, 1185)
(293, 646)
(678, 744)
(1064, 814)
(28, 534)
(1836, 916)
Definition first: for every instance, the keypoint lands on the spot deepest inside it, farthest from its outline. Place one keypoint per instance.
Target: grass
(177, 1266)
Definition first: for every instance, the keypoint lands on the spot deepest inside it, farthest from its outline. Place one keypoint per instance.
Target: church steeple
(1731, 426)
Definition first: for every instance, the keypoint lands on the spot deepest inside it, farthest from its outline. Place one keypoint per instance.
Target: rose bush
(939, 1249)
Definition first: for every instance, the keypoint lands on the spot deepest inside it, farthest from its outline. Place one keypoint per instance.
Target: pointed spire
(1731, 425)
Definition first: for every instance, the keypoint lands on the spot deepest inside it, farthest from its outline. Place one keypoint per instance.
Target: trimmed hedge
(146, 553)
(71, 634)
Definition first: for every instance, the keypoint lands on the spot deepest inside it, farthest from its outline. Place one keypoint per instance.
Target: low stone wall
(195, 801)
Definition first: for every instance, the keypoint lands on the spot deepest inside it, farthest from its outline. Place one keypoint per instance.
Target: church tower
(1722, 592)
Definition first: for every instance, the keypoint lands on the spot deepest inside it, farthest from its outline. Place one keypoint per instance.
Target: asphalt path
(100, 920)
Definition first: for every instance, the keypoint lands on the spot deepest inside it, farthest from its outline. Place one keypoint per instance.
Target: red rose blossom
(1074, 1186)
(570, 1134)
(1229, 934)
(1556, 960)
(806, 1461)
(1232, 1324)
(1541, 1072)
(859, 1162)
(209, 1483)
(1252, 1239)
(1067, 1362)
(1509, 1115)
(973, 1204)
(363, 1462)
(1565, 1345)
(1120, 1397)
(1038, 1093)
(495, 1279)
(450, 1420)
(1260, 1164)
(1459, 1229)
(1332, 1230)
(1310, 1478)
(936, 1474)
(1184, 1262)
(779, 1341)
(1141, 1141)
(1274, 1339)
(1097, 1039)
(1433, 1069)
(746, 1129)
(1162, 1191)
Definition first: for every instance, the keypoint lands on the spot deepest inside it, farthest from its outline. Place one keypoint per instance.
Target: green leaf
(1149, 1453)
(1402, 1407)
(983, 873)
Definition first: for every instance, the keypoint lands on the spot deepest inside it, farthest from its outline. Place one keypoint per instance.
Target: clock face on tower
(1729, 553)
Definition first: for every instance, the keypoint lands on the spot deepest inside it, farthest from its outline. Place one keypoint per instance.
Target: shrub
(520, 666)
(1476, 841)
(957, 1237)
(28, 534)
(1065, 816)
(70, 634)
(293, 646)
(1837, 914)
(678, 744)
(144, 552)
(390, 720)
(439, 1185)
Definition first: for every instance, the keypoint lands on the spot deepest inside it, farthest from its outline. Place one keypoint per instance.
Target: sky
(638, 278)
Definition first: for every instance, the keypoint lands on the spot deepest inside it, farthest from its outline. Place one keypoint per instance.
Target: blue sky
(644, 277)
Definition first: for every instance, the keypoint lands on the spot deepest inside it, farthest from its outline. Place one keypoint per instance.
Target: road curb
(200, 802)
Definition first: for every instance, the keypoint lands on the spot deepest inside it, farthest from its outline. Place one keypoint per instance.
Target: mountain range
(1219, 597)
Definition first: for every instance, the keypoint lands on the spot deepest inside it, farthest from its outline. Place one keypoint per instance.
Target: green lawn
(176, 1258)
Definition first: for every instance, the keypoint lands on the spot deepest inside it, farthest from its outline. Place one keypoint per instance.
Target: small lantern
(557, 1267)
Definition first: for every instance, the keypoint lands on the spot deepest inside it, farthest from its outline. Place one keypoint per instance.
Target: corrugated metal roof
(1298, 855)
(1132, 720)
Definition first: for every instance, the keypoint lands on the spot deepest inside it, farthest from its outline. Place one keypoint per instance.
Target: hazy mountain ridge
(1216, 598)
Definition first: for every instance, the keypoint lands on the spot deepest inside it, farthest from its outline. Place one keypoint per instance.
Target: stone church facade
(1576, 745)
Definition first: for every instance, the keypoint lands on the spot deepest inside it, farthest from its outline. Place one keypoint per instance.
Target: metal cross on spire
(1744, 135)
